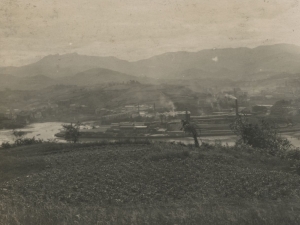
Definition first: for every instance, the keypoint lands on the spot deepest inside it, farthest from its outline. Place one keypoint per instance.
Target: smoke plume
(230, 96)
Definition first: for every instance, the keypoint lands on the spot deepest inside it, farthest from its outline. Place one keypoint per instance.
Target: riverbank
(10, 124)
(45, 131)
(49, 131)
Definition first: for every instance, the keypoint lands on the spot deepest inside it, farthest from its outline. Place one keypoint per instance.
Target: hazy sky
(136, 29)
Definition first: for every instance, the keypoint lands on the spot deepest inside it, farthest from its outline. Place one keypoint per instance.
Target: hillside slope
(138, 184)
(36, 82)
(96, 76)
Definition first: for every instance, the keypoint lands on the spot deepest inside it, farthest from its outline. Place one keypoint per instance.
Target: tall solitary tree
(191, 129)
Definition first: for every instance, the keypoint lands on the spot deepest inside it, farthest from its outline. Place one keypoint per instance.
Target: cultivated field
(159, 183)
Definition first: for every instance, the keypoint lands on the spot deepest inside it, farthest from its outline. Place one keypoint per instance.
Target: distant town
(161, 118)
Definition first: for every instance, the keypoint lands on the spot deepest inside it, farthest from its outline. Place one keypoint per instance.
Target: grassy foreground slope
(146, 184)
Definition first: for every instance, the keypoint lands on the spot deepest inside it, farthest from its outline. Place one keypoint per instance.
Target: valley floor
(160, 183)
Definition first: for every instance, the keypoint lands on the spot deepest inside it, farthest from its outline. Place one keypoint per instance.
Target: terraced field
(145, 184)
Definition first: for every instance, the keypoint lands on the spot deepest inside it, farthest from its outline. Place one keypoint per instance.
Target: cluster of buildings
(145, 129)
(127, 112)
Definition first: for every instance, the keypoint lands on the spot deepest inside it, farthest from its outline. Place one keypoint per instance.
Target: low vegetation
(20, 140)
(260, 134)
(146, 183)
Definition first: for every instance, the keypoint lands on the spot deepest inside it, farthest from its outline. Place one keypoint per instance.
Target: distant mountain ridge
(57, 66)
(281, 58)
(89, 77)
(233, 63)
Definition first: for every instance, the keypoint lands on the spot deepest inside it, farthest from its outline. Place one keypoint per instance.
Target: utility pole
(186, 115)
(236, 102)
(236, 107)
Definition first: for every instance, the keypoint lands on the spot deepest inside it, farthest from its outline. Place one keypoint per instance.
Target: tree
(259, 134)
(282, 110)
(72, 132)
(191, 129)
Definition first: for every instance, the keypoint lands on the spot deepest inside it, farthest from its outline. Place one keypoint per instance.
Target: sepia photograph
(161, 112)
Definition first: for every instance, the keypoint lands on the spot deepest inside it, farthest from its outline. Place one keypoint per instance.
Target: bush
(27, 141)
(21, 142)
(6, 145)
(259, 134)
(293, 154)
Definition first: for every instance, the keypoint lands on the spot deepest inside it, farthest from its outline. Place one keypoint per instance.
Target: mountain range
(230, 63)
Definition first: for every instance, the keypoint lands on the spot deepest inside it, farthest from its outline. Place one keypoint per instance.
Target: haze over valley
(149, 112)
